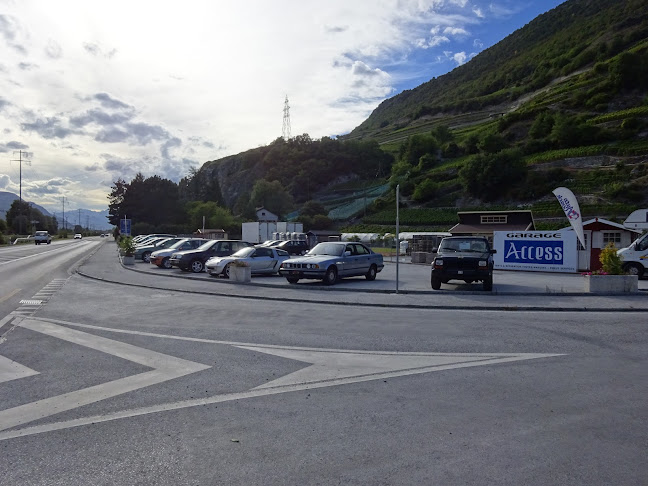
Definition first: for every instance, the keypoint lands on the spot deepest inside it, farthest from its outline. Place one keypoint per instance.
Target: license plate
(294, 272)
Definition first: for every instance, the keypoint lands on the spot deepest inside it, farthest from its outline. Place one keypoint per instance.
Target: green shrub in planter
(127, 245)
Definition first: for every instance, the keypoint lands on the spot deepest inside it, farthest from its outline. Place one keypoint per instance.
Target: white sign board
(536, 251)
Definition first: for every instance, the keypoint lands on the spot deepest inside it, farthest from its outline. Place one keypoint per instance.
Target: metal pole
(397, 237)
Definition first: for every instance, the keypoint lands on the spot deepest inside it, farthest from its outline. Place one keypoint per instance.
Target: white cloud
(460, 57)
(98, 90)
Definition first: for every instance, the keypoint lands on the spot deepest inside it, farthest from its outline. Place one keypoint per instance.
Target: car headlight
(482, 263)
(438, 262)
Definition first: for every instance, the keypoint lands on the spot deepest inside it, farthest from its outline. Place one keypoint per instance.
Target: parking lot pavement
(511, 290)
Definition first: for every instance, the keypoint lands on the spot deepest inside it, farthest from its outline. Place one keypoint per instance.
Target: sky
(93, 91)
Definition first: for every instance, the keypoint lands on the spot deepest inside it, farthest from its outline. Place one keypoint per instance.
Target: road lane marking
(328, 367)
(9, 295)
(10, 370)
(165, 368)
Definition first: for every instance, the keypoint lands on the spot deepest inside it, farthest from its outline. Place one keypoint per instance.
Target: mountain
(561, 101)
(7, 198)
(96, 220)
(569, 40)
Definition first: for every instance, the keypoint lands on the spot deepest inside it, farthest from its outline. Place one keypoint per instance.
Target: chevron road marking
(327, 367)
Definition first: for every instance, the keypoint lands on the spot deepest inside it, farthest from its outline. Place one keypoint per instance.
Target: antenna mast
(285, 132)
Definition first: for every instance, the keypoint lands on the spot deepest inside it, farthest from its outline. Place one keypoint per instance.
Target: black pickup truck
(467, 258)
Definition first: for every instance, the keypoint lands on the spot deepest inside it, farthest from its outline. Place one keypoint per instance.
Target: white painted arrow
(10, 370)
(339, 365)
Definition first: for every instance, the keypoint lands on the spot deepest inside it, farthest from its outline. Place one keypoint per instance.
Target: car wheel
(49, 242)
(165, 263)
(146, 256)
(634, 269)
(488, 283)
(226, 271)
(197, 266)
(292, 280)
(371, 273)
(331, 276)
(435, 282)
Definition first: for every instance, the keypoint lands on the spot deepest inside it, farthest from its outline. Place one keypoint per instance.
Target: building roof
(605, 222)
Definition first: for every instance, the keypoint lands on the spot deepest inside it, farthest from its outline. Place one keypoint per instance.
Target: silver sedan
(262, 260)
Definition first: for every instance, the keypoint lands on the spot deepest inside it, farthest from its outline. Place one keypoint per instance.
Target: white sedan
(261, 260)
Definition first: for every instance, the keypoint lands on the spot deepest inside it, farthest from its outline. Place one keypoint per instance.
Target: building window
(494, 219)
(612, 237)
(580, 247)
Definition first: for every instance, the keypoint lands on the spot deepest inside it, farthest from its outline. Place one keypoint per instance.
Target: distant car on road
(467, 258)
(78, 236)
(331, 261)
(161, 257)
(194, 260)
(261, 259)
(42, 237)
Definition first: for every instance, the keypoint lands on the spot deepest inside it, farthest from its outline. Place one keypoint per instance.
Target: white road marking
(329, 367)
(9, 295)
(10, 370)
(165, 368)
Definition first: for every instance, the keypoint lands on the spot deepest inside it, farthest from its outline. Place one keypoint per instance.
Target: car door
(262, 260)
(362, 259)
(349, 261)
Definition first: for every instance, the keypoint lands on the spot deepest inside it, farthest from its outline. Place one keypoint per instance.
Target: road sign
(125, 227)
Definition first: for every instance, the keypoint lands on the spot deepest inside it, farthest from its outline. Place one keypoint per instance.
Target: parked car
(294, 247)
(467, 258)
(270, 243)
(194, 260)
(261, 259)
(78, 236)
(139, 238)
(143, 252)
(333, 260)
(41, 237)
(161, 257)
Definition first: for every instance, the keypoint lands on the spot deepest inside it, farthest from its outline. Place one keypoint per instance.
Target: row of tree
(156, 204)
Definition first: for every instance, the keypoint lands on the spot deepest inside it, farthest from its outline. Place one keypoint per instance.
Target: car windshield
(334, 249)
(207, 245)
(177, 244)
(244, 252)
(458, 244)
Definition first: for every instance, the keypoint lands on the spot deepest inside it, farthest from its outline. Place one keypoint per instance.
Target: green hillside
(562, 101)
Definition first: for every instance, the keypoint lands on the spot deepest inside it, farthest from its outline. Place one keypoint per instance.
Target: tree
(492, 176)
(312, 208)
(215, 215)
(492, 143)
(115, 200)
(272, 196)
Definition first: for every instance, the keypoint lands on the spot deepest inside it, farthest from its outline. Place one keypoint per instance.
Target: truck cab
(635, 257)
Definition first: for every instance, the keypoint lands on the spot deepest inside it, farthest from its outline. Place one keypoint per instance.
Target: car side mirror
(493, 251)
(347, 253)
(434, 250)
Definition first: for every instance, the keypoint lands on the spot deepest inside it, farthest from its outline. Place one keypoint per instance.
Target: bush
(611, 262)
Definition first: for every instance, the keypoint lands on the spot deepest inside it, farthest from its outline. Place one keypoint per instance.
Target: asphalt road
(123, 385)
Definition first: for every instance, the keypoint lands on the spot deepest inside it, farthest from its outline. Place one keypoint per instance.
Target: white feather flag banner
(569, 204)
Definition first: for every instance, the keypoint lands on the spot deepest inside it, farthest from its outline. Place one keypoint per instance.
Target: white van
(635, 257)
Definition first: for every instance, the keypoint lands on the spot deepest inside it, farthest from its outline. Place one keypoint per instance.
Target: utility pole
(80, 219)
(63, 198)
(20, 159)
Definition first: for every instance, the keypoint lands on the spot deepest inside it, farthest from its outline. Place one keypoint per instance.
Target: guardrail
(21, 240)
